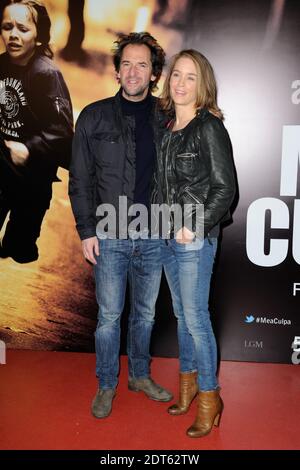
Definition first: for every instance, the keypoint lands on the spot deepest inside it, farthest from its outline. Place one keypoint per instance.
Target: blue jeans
(188, 269)
(139, 261)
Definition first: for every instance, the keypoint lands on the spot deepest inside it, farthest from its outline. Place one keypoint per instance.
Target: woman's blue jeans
(139, 261)
(188, 269)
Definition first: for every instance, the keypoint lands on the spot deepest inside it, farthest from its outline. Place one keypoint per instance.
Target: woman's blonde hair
(206, 84)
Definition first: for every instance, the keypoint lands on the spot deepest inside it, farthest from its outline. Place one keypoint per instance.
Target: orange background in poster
(50, 304)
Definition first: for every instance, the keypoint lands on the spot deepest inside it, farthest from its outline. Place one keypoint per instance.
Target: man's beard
(139, 92)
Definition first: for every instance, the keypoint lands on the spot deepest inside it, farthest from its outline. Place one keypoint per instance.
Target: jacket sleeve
(216, 191)
(51, 106)
(82, 181)
(216, 148)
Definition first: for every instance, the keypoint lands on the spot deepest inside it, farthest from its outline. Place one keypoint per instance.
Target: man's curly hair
(157, 53)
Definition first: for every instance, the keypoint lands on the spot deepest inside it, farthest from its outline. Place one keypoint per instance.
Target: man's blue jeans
(188, 269)
(140, 262)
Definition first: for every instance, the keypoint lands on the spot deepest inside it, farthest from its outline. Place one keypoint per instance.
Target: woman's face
(183, 83)
(19, 33)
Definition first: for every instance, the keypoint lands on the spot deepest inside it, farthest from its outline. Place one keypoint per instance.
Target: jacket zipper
(166, 178)
(57, 104)
(193, 196)
(166, 168)
(186, 155)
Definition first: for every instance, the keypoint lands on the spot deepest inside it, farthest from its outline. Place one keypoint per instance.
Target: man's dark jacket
(103, 161)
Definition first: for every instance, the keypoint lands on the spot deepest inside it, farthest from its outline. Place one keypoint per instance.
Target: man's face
(135, 71)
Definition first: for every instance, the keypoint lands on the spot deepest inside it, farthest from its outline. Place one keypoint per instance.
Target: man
(113, 156)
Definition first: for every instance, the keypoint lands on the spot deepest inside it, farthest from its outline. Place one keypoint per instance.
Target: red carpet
(45, 404)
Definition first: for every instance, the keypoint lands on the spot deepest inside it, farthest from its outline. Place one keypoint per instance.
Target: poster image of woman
(36, 126)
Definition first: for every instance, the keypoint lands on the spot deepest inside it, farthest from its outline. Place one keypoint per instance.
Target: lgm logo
(2, 352)
(252, 343)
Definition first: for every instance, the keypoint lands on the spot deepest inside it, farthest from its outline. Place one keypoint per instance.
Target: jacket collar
(118, 97)
(202, 113)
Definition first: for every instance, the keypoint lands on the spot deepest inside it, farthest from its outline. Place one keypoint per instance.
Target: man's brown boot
(188, 388)
(210, 407)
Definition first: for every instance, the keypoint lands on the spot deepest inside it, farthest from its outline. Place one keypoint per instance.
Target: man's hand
(18, 152)
(184, 235)
(90, 248)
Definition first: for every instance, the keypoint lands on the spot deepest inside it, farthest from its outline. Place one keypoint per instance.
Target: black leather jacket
(195, 166)
(103, 161)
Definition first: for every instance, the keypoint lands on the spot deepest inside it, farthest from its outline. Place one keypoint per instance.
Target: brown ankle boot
(210, 407)
(187, 392)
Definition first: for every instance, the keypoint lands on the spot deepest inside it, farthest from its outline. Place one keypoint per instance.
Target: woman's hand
(18, 152)
(184, 235)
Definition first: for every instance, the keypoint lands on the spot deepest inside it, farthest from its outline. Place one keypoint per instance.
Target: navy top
(144, 146)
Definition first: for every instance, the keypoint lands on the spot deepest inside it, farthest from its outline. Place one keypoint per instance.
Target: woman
(195, 170)
(36, 126)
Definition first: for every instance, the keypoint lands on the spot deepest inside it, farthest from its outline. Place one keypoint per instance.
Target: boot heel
(217, 420)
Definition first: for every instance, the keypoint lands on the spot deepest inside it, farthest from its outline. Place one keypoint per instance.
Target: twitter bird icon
(249, 318)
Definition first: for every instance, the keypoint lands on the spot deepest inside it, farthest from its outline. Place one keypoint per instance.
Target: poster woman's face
(19, 33)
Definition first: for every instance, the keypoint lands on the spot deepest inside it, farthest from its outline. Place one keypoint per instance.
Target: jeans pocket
(194, 245)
